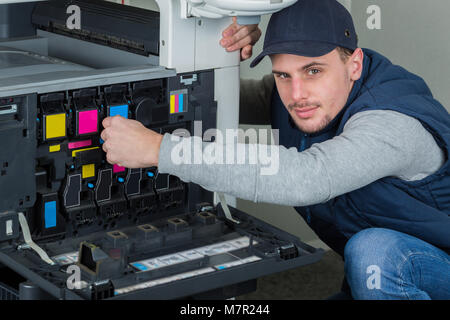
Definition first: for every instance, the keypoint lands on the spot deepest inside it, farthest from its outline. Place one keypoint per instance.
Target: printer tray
(181, 257)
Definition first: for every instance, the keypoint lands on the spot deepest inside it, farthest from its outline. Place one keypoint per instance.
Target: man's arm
(374, 144)
(255, 100)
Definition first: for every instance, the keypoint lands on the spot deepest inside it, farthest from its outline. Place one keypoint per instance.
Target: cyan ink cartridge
(117, 105)
(116, 101)
(119, 110)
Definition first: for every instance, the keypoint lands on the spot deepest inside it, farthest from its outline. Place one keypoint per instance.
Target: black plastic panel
(17, 152)
(110, 24)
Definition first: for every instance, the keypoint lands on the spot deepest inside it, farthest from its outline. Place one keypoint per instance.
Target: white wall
(414, 34)
(264, 67)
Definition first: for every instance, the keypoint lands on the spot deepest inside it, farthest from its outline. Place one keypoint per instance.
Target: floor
(313, 282)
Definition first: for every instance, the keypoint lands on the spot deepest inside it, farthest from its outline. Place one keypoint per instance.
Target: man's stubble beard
(323, 123)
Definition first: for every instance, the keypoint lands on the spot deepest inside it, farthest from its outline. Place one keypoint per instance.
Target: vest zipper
(303, 142)
(308, 216)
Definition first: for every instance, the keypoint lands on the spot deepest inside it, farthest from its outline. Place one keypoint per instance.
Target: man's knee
(374, 244)
(367, 254)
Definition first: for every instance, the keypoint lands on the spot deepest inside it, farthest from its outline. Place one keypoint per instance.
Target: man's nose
(299, 90)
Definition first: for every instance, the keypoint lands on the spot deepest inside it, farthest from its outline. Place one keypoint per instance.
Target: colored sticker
(139, 266)
(73, 256)
(172, 104)
(153, 264)
(62, 260)
(55, 148)
(180, 102)
(80, 144)
(119, 111)
(50, 214)
(88, 171)
(74, 153)
(177, 103)
(87, 121)
(55, 126)
(191, 254)
(117, 168)
(171, 259)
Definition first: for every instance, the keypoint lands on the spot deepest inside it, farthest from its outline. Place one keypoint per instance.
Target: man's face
(314, 90)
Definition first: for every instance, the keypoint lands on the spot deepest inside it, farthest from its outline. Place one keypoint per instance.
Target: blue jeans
(387, 264)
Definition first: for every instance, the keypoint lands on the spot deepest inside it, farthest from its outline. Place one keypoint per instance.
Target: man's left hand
(237, 37)
(129, 144)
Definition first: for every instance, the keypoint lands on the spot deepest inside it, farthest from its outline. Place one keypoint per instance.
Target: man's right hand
(237, 37)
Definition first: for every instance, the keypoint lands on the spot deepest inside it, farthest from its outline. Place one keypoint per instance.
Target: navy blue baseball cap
(309, 28)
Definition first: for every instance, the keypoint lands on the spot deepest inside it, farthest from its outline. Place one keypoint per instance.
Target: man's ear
(355, 64)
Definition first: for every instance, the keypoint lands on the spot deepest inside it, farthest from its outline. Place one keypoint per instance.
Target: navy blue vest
(419, 208)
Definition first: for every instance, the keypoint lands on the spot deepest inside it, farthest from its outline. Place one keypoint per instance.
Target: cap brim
(299, 48)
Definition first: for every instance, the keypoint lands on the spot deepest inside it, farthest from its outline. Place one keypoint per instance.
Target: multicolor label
(178, 101)
(66, 258)
(196, 253)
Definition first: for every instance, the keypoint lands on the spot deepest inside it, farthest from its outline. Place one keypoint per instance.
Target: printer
(72, 226)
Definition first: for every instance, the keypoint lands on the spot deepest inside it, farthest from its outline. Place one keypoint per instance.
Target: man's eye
(282, 75)
(312, 72)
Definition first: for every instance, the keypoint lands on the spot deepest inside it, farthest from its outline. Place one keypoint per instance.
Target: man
(363, 153)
